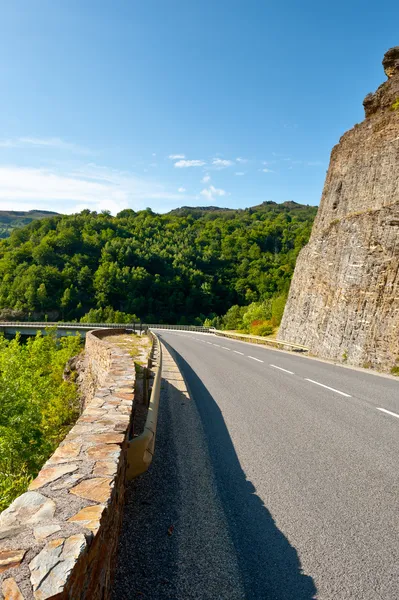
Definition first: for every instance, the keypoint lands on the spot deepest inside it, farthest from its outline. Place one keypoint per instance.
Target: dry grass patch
(138, 346)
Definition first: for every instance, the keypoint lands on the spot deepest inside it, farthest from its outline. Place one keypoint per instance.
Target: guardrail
(260, 340)
(140, 449)
(65, 324)
(179, 327)
(88, 326)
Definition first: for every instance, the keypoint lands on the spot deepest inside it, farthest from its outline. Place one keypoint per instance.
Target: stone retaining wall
(58, 540)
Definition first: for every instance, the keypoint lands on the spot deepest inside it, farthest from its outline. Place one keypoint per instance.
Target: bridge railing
(39, 324)
(86, 326)
(178, 327)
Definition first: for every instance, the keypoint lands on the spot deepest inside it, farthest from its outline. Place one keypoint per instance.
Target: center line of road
(253, 358)
(236, 351)
(209, 343)
(328, 388)
(388, 412)
(224, 348)
(217, 345)
(281, 369)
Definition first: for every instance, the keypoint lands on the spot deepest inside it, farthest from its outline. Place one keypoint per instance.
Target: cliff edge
(344, 298)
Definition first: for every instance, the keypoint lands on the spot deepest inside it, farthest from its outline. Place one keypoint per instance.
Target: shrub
(233, 317)
(37, 407)
(278, 305)
(257, 311)
(263, 329)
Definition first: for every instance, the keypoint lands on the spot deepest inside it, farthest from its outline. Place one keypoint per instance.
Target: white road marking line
(253, 358)
(217, 345)
(388, 412)
(209, 343)
(224, 348)
(329, 388)
(236, 351)
(281, 369)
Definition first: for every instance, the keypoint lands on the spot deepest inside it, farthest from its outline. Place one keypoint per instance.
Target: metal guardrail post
(140, 449)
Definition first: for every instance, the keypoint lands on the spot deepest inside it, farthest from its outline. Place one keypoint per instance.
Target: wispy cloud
(91, 186)
(267, 171)
(176, 156)
(53, 142)
(211, 192)
(241, 160)
(239, 173)
(182, 164)
(304, 163)
(220, 163)
(315, 163)
(206, 178)
(181, 190)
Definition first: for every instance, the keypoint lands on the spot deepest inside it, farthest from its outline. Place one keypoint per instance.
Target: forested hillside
(178, 268)
(12, 219)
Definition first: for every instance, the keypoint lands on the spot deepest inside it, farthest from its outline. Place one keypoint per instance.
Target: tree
(183, 264)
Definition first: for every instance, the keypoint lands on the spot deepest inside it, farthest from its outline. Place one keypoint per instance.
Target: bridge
(62, 328)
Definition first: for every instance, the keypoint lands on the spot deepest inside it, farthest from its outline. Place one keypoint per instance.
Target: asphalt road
(279, 479)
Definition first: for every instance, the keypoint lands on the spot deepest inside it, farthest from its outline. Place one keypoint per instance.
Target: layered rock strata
(58, 540)
(344, 297)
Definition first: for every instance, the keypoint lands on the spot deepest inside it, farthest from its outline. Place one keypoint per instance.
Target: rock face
(344, 297)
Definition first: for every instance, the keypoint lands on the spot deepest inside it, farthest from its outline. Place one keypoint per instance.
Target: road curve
(277, 480)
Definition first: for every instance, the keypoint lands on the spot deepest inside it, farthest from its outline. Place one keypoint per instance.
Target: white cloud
(176, 156)
(211, 192)
(206, 178)
(220, 163)
(242, 160)
(181, 164)
(91, 186)
(181, 190)
(239, 173)
(267, 171)
(54, 142)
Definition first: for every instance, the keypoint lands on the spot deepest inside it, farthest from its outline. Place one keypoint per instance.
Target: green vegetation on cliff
(180, 267)
(37, 407)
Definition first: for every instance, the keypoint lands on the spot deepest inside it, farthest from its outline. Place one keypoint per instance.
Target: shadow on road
(153, 564)
(269, 565)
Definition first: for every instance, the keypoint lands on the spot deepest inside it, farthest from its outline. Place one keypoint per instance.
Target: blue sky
(164, 103)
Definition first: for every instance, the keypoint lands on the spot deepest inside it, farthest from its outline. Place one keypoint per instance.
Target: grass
(138, 346)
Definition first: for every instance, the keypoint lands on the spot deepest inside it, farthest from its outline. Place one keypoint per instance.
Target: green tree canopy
(169, 268)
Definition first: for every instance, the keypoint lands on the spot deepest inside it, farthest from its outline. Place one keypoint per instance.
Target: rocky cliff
(344, 297)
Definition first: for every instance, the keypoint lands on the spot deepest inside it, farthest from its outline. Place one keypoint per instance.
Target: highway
(277, 480)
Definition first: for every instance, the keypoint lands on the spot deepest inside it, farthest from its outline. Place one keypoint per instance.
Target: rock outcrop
(344, 297)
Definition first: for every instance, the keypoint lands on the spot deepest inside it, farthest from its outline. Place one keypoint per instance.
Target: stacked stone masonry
(344, 297)
(58, 540)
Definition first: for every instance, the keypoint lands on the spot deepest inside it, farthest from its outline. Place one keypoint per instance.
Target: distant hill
(12, 219)
(268, 206)
(163, 268)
